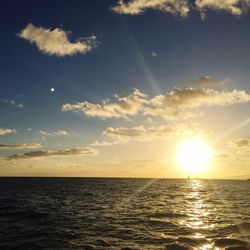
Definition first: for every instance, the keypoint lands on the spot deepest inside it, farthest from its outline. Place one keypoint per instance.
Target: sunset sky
(113, 88)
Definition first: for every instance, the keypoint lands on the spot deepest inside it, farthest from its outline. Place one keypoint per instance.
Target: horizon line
(117, 177)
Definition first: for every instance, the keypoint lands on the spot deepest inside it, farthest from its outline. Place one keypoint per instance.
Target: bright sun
(194, 155)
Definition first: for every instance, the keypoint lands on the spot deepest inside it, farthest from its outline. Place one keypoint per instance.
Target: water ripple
(88, 213)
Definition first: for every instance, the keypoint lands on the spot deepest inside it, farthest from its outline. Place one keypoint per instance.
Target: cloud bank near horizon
(21, 146)
(47, 153)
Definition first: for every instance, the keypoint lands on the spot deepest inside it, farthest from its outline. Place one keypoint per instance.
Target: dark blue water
(88, 213)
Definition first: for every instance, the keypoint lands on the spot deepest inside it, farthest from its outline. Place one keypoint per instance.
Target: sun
(194, 155)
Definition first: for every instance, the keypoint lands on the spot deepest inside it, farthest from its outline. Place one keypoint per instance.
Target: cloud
(169, 113)
(14, 103)
(123, 108)
(206, 82)
(154, 54)
(64, 152)
(141, 133)
(182, 7)
(23, 145)
(56, 41)
(174, 105)
(240, 143)
(104, 143)
(5, 131)
(222, 156)
(194, 98)
(135, 7)
(58, 132)
(139, 161)
(234, 7)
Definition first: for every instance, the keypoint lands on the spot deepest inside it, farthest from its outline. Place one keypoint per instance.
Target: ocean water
(93, 213)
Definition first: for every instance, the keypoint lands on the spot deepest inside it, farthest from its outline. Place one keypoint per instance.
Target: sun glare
(194, 155)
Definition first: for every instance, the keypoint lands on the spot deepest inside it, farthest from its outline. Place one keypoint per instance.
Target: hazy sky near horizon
(112, 88)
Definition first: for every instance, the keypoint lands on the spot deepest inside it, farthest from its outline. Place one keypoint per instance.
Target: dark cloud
(23, 145)
(64, 152)
(241, 143)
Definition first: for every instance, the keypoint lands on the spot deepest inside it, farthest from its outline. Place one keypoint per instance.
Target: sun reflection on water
(197, 212)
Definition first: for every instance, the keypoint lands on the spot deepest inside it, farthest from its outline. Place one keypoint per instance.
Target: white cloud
(154, 54)
(5, 131)
(51, 133)
(14, 103)
(61, 132)
(135, 7)
(182, 7)
(235, 7)
(23, 145)
(123, 108)
(56, 41)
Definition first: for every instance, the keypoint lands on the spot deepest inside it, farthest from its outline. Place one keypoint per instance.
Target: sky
(113, 88)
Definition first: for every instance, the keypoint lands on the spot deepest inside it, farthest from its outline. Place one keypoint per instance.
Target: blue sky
(154, 52)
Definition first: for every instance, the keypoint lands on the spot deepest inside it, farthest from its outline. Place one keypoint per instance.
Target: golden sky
(119, 90)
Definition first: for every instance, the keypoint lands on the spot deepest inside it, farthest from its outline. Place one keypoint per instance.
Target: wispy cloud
(222, 156)
(206, 82)
(123, 108)
(51, 133)
(64, 152)
(104, 143)
(182, 7)
(170, 113)
(56, 41)
(13, 103)
(23, 145)
(5, 131)
(141, 133)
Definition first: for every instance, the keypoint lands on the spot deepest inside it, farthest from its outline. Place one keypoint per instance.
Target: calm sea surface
(89, 213)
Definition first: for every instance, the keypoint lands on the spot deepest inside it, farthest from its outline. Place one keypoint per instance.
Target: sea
(113, 213)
